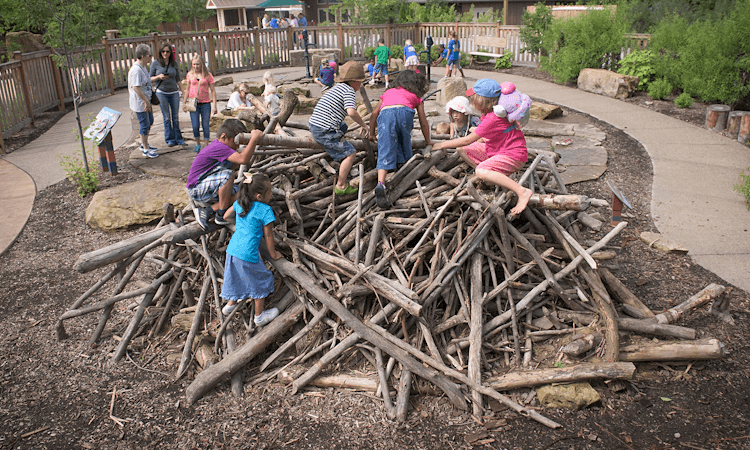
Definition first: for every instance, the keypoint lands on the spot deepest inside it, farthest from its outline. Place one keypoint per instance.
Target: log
(624, 295)
(702, 349)
(604, 305)
(589, 221)
(236, 360)
(580, 346)
(716, 117)
(674, 314)
(308, 142)
(734, 121)
(656, 329)
(743, 135)
(288, 104)
(341, 382)
(117, 251)
(402, 400)
(560, 202)
(579, 372)
(475, 333)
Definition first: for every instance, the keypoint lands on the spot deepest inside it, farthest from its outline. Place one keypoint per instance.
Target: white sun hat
(460, 104)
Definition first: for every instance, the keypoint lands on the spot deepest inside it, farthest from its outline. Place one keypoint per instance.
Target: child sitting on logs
(210, 180)
(326, 73)
(327, 122)
(504, 148)
(461, 117)
(245, 274)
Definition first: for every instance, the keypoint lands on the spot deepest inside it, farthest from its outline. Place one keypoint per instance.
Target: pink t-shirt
(512, 143)
(399, 96)
(200, 88)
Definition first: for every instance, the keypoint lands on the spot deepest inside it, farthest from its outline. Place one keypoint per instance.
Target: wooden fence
(34, 83)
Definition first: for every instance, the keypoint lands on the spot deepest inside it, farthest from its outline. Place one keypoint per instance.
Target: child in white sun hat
(461, 117)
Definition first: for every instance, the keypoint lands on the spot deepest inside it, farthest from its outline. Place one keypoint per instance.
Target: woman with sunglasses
(166, 75)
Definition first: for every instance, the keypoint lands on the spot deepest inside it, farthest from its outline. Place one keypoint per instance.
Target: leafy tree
(431, 11)
(534, 26)
(369, 12)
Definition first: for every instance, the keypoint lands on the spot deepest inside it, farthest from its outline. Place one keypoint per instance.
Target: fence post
(258, 59)
(108, 69)
(416, 37)
(58, 81)
(388, 35)
(290, 39)
(155, 37)
(25, 86)
(212, 52)
(341, 41)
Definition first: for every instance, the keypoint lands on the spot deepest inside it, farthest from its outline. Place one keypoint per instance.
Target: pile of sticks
(441, 287)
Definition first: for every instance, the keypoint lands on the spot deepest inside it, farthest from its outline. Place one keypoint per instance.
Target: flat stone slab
(135, 203)
(172, 162)
(548, 129)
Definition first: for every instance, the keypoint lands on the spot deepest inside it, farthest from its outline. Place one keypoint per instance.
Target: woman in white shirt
(240, 99)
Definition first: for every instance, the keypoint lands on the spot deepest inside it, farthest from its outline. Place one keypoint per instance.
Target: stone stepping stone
(172, 162)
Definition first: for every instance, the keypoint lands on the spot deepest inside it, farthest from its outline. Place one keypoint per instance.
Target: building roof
(232, 4)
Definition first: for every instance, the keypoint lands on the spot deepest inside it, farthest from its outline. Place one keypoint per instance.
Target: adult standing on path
(201, 87)
(139, 90)
(165, 71)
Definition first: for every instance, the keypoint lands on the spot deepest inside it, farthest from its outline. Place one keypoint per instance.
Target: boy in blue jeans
(327, 122)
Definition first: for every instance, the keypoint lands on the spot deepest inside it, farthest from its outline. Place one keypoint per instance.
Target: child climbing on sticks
(503, 150)
(245, 274)
(394, 116)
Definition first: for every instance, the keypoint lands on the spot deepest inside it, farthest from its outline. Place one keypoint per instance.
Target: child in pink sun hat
(504, 148)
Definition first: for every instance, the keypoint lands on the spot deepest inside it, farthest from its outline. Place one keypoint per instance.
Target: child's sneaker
(150, 153)
(266, 317)
(386, 85)
(381, 196)
(202, 216)
(227, 309)
(197, 148)
(372, 82)
(219, 220)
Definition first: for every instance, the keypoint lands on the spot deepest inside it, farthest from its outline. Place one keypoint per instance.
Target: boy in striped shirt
(327, 122)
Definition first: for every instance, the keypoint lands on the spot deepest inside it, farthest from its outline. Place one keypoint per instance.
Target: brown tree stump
(716, 117)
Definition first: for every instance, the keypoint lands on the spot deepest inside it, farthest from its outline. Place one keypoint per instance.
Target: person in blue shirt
(326, 73)
(274, 23)
(411, 60)
(454, 56)
(302, 20)
(443, 55)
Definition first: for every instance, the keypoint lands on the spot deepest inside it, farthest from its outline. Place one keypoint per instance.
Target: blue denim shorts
(394, 136)
(382, 68)
(332, 141)
(145, 120)
(207, 189)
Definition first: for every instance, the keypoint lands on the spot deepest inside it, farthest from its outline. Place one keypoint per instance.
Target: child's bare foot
(523, 200)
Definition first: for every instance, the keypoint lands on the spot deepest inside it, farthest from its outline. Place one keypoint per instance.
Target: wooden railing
(33, 83)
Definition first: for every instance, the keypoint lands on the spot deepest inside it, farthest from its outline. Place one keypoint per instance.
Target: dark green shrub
(660, 89)
(397, 51)
(535, 26)
(271, 58)
(592, 40)
(505, 61)
(684, 100)
(640, 63)
(248, 58)
(369, 52)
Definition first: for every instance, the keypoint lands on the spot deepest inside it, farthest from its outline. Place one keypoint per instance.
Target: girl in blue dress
(245, 274)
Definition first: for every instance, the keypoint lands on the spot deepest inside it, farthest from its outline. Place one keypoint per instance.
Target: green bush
(709, 58)
(271, 58)
(660, 89)
(397, 51)
(743, 187)
(640, 63)
(505, 61)
(534, 27)
(592, 40)
(248, 58)
(369, 52)
(684, 100)
(87, 182)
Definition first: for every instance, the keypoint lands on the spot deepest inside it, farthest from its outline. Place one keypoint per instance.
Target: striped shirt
(331, 108)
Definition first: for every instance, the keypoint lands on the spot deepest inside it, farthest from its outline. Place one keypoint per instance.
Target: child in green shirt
(382, 53)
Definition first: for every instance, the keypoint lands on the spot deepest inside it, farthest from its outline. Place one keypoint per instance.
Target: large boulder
(605, 82)
(541, 111)
(134, 203)
(24, 42)
(395, 65)
(306, 105)
(450, 87)
(296, 88)
(224, 81)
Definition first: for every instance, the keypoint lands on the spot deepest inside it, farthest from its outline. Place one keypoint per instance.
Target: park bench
(489, 42)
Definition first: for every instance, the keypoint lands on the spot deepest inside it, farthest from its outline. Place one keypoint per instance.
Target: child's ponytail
(253, 185)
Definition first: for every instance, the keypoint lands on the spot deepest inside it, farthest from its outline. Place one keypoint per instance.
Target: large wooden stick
(194, 327)
(673, 351)
(475, 333)
(236, 360)
(708, 293)
(117, 251)
(624, 294)
(576, 373)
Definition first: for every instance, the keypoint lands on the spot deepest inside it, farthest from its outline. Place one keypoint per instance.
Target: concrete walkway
(693, 202)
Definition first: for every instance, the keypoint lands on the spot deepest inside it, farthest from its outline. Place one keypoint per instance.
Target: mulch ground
(64, 395)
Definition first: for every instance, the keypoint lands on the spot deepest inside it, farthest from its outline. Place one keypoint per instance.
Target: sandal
(349, 189)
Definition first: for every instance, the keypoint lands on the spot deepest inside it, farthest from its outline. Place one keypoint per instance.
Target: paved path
(693, 202)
